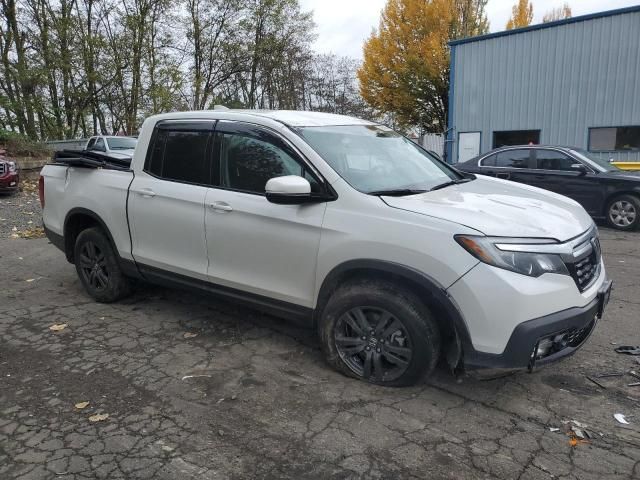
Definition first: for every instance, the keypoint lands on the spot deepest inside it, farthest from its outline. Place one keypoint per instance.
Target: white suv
(395, 257)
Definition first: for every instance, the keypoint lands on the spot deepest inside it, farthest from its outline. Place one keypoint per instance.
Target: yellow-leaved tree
(558, 13)
(405, 70)
(521, 15)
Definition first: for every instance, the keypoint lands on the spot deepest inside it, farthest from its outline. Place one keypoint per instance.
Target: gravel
(20, 210)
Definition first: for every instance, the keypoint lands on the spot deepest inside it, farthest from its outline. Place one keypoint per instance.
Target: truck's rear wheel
(380, 333)
(98, 268)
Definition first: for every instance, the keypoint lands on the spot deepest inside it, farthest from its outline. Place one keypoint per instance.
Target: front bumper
(566, 331)
(10, 182)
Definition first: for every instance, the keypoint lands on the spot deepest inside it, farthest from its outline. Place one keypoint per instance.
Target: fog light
(12, 184)
(543, 347)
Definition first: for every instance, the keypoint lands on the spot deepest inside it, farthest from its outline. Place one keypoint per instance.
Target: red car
(9, 176)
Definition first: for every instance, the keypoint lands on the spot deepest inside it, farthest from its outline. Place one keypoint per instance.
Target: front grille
(3, 168)
(584, 269)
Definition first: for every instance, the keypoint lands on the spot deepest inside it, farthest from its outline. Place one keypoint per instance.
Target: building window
(516, 137)
(614, 138)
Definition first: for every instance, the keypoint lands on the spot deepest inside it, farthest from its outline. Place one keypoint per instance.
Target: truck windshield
(374, 158)
(122, 143)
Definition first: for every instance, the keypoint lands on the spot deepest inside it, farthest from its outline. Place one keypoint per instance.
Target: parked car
(109, 145)
(604, 190)
(9, 174)
(395, 257)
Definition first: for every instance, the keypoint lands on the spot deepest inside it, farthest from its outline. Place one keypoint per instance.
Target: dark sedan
(605, 191)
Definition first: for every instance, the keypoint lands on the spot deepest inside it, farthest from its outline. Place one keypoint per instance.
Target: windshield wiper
(397, 192)
(452, 182)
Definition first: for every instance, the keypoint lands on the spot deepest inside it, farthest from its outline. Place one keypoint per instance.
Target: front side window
(373, 158)
(99, 145)
(513, 159)
(246, 163)
(180, 156)
(614, 138)
(554, 160)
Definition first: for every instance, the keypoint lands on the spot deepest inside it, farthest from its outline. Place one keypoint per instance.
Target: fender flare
(426, 283)
(128, 266)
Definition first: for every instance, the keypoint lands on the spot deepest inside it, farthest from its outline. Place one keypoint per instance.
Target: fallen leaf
(190, 335)
(81, 405)
(99, 417)
(14, 229)
(58, 327)
(621, 418)
(29, 280)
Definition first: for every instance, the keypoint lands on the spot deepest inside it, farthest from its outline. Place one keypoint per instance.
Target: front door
(166, 201)
(554, 172)
(255, 245)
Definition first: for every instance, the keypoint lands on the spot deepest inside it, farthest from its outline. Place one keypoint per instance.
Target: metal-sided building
(573, 82)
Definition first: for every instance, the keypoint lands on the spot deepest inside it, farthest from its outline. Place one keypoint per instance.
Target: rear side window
(490, 161)
(180, 155)
(553, 160)
(513, 159)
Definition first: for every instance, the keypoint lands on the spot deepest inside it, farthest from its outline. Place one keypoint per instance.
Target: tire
(623, 213)
(379, 356)
(98, 267)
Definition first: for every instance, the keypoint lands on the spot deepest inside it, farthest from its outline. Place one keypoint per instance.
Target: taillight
(41, 190)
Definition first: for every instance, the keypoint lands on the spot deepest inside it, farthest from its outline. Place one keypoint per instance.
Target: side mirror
(578, 167)
(288, 190)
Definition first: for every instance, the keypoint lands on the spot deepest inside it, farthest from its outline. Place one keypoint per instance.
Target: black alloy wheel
(373, 343)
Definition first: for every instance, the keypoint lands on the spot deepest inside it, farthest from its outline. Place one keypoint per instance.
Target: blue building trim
(450, 136)
(541, 26)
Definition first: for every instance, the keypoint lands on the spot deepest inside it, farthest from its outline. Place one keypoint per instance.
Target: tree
(521, 15)
(73, 68)
(557, 14)
(405, 72)
(470, 18)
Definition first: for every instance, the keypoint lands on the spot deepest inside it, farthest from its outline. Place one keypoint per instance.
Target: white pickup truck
(395, 257)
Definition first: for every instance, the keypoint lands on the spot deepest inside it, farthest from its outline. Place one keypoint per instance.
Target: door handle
(504, 176)
(221, 207)
(147, 192)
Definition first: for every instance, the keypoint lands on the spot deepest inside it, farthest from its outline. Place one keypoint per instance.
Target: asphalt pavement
(170, 385)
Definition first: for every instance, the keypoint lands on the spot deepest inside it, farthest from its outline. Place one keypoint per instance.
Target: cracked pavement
(249, 396)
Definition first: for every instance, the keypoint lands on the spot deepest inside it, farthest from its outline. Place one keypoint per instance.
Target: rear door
(255, 245)
(554, 172)
(512, 164)
(166, 202)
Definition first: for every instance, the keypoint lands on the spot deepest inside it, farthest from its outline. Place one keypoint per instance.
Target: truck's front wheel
(98, 268)
(379, 332)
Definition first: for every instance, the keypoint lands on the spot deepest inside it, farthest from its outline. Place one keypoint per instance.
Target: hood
(128, 152)
(633, 175)
(501, 208)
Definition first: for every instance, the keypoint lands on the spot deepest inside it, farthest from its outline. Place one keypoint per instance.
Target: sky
(343, 25)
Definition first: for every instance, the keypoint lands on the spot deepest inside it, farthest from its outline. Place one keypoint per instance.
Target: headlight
(528, 263)
(12, 167)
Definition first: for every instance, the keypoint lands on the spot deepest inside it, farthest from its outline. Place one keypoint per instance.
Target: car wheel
(98, 268)
(623, 212)
(378, 332)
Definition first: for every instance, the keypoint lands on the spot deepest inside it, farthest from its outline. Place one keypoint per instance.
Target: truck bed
(86, 159)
